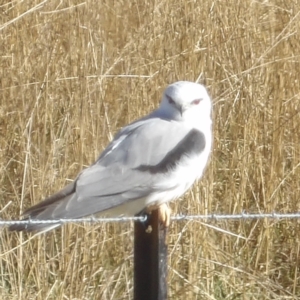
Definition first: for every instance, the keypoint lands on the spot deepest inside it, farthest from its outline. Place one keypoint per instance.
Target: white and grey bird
(151, 161)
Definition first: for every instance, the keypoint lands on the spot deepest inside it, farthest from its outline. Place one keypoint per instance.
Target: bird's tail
(44, 211)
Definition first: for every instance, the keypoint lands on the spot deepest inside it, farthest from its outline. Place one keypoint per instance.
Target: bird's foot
(164, 213)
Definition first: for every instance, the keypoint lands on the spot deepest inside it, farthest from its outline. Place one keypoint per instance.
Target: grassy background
(73, 72)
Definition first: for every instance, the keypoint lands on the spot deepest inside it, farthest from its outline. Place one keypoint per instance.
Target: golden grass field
(74, 72)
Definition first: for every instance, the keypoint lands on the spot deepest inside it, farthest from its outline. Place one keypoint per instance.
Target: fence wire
(208, 217)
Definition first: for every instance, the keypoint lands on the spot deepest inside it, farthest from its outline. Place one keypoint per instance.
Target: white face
(185, 100)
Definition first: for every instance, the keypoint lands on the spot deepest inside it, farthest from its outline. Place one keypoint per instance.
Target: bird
(149, 162)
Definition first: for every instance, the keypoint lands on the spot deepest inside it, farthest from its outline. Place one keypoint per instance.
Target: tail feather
(43, 211)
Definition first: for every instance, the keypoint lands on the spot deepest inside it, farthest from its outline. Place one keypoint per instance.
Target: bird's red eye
(170, 100)
(197, 101)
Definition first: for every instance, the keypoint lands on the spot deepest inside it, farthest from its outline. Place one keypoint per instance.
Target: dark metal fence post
(150, 259)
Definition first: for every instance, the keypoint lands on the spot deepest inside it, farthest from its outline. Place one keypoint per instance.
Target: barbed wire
(208, 217)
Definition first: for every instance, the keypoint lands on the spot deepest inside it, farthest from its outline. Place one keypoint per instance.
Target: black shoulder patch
(192, 143)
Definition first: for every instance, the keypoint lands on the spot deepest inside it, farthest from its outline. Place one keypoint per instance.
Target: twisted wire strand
(208, 217)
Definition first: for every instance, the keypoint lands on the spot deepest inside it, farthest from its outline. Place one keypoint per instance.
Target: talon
(164, 214)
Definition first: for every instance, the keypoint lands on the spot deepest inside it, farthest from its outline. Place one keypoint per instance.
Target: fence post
(150, 259)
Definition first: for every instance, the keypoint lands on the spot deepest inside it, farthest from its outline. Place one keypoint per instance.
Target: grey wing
(137, 163)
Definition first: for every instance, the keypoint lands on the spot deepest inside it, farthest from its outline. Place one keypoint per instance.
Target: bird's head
(186, 101)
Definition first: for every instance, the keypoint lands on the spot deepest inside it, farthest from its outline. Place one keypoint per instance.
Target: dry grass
(63, 96)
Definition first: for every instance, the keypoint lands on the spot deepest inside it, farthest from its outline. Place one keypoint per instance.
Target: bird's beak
(181, 109)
